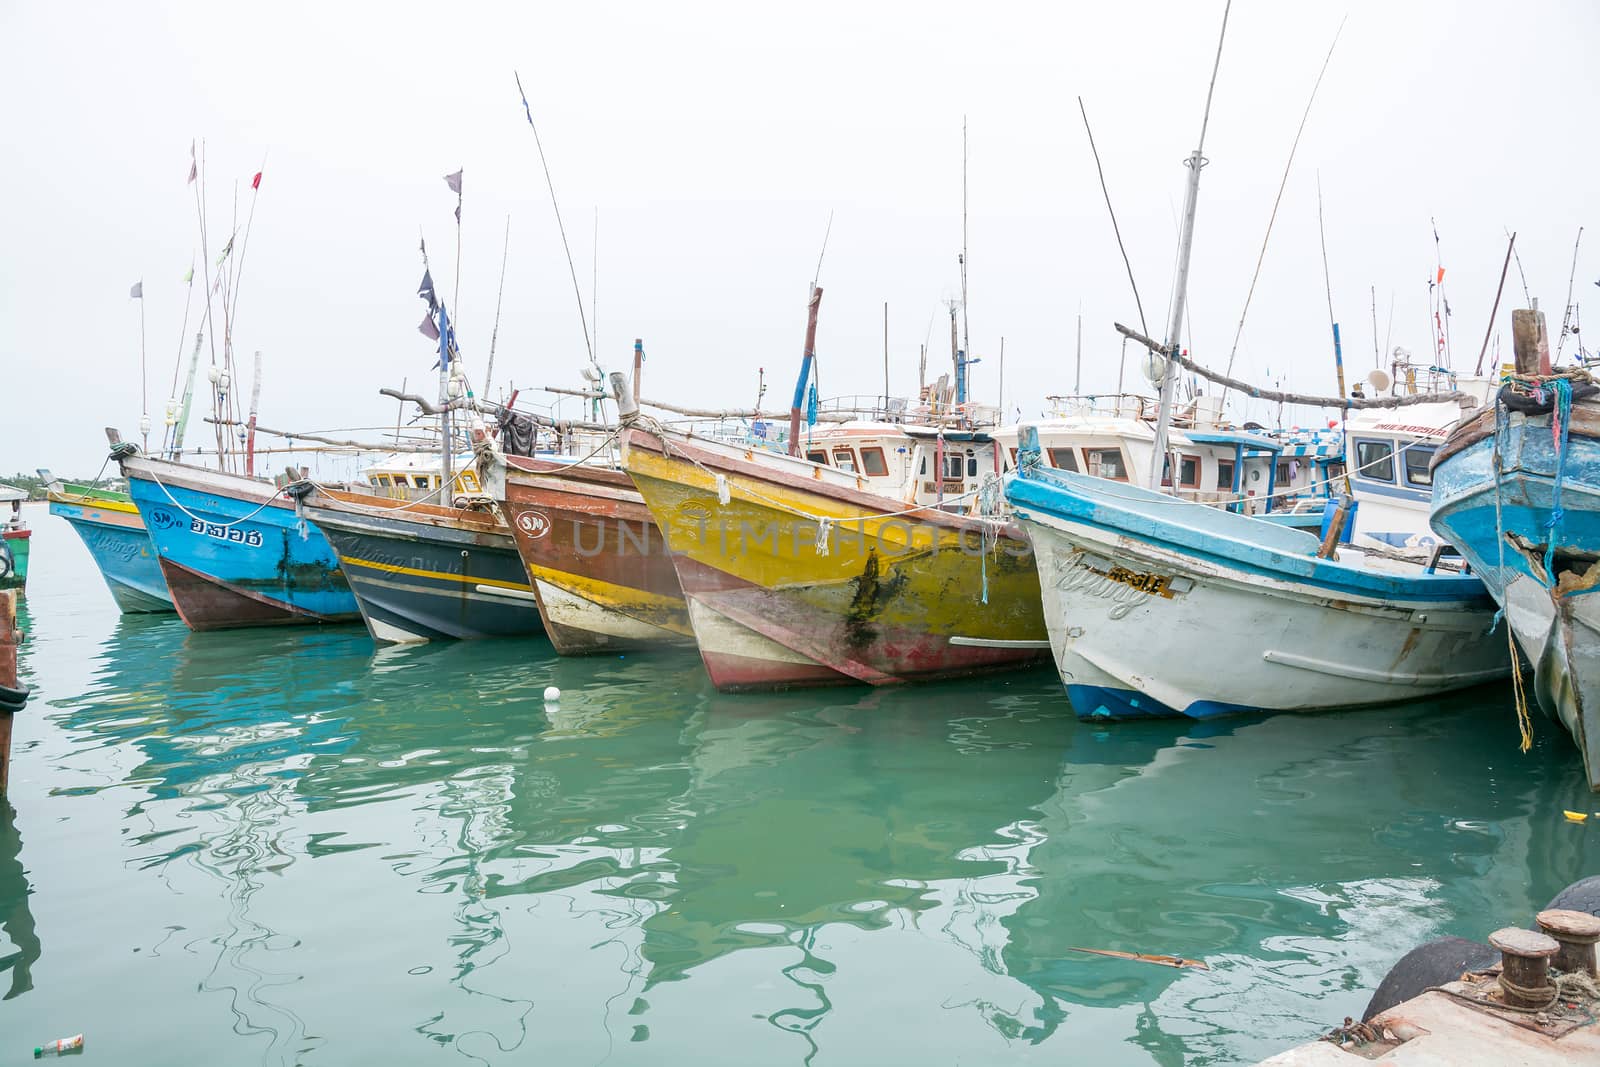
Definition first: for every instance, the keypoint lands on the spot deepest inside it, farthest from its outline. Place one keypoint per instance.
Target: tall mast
(1169, 378)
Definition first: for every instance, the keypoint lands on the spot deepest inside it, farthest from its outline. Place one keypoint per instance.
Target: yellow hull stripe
(416, 572)
(667, 612)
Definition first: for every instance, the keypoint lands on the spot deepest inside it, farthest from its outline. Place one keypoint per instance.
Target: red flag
(1440, 279)
(255, 183)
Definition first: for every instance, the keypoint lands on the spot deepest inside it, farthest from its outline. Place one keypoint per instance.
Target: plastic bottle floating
(60, 1047)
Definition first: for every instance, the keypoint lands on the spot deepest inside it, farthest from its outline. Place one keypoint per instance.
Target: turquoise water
(286, 847)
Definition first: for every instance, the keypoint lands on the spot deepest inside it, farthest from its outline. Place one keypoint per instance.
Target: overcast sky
(714, 141)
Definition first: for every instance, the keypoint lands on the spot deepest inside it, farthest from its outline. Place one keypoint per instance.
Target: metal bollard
(1525, 966)
(1576, 932)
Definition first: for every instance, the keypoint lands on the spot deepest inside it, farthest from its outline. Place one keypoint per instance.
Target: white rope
(221, 525)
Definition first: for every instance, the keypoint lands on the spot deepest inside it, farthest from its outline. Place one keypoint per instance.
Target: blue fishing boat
(113, 532)
(1158, 606)
(233, 549)
(1516, 488)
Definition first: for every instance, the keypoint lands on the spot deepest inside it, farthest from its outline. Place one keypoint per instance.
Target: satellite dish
(1155, 367)
(1379, 380)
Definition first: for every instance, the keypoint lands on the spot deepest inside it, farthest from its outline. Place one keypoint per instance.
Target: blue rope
(1563, 411)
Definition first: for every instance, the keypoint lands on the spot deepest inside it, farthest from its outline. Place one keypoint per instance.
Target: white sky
(715, 140)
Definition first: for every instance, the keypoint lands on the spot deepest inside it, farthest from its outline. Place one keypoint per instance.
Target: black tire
(1582, 895)
(1426, 966)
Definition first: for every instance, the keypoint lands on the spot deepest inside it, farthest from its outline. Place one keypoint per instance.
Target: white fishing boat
(1160, 607)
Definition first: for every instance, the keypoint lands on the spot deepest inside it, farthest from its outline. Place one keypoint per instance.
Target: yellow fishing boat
(799, 572)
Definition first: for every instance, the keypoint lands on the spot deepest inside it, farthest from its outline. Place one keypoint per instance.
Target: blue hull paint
(126, 558)
(1097, 703)
(268, 568)
(1498, 512)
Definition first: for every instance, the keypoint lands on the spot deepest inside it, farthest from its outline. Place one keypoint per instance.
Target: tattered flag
(1440, 279)
(137, 292)
(255, 183)
(189, 277)
(194, 170)
(225, 250)
(427, 328)
(454, 182)
(458, 214)
(425, 290)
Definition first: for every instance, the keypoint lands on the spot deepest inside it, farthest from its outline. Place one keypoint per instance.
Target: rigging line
(1388, 329)
(1566, 314)
(1327, 283)
(966, 336)
(594, 280)
(1112, 211)
(1496, 309)
(571, 268)
(244, 249)
(183, 334)
(1525, 294)
(1261, 258)
(818, 275)
(495, 335)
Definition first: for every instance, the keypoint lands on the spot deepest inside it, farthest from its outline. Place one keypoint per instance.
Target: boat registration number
(231, 534)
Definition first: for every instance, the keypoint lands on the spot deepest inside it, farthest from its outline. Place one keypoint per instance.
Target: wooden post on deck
(11, 694)
(1530, 342)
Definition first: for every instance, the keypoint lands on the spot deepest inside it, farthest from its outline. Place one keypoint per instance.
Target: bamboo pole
(1282, 397)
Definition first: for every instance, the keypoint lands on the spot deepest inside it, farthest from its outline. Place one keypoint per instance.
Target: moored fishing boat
(1516, 488)
(14, 538)
(113, 532)
(423, 571)
(801, 574)
(232, 549)
(1162, 607)
(598, 563)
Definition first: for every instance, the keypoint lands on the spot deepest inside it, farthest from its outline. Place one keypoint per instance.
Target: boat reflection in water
(870, 874)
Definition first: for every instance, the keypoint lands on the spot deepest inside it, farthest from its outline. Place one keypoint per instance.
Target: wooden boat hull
(233, 551)
(598, 563)
(1499, 522)
(907, 598)
(1157, 607)
(14, 571)
(114, 534)
(422, 572)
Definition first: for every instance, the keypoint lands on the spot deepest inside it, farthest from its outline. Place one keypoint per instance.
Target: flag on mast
(255, 183)
(137, 292)
(194, 167)
(454, 182)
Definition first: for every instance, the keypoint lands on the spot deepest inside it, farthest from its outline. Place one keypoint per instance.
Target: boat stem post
(12, 695)
(1330, 540)
(1530, 341)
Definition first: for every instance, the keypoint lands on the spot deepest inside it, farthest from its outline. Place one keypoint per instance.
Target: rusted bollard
(1525, 966)
(1576, 932)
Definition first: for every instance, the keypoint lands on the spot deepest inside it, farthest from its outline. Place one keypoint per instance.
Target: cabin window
(1285, 475)
(1375, 460)
(381, 480)
(922, 471)
(873, 463)
(1107, 463)
(1225, 475)
(818, 457)
(1188, 472)
(1417, 472)
(972, 464)
(420, 481)
(844, 459)
(467, 482)
(1065, 459)
(953, 462)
